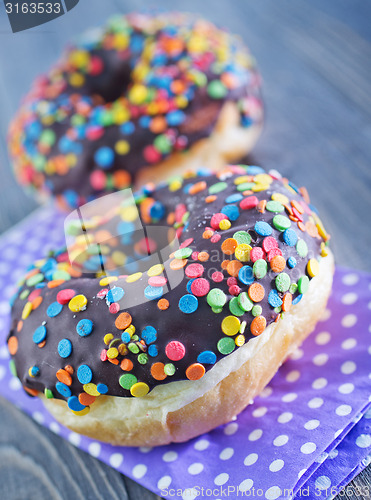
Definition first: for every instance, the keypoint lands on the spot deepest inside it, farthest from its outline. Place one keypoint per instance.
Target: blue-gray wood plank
(315, 59)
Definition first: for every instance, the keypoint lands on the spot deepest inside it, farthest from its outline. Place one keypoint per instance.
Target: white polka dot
(348, 367)
(322, 483)
(315, 403)
(195, 468)
(325, 315)
(255, 435)
(357, 418)
(346, 388)
(308, 448)
(2, 372)
(281, 440)
(276, 465)
(266, 392)
(368, 414)
(202, 444)
(349, 298)
(303, 471)
(39, 417)
(190, 493)
(221, 479)
(349, 320)
(4, 268)
(319, 383)
(139, 471)
(273, 492)
(311, 424)
(297, 354)
(293, 376)
(333, 454)
(289, 397)
(145, 449)
(164, 482)
(348, 344)
(226, 454)
(4, 354)
(320, 359)
(321, 458)
(231, 428)
(170, 456)
(350, 279)
(259, 412)
(4, 308)
(285, 417)
(363, 441)
(251, 459)
(54, 427)
(323, 338)
(15, 384)
(116, 459)
(343, 410)
(94, 449)
(246, 485)
(74, 438)
(337, 433)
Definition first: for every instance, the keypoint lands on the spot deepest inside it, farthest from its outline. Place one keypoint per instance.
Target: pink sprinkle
(186, 243)
(102, 293)
(215, 238)
(157, 281)
(215, 220)
(103, 355)
(94, 133)
(64, 296)
(249, 202)
(200, 287)
(35, 293)
(114, 308)
(273, 253)
(269, 243)
(151, 154)
(297, 214)
(175, 350)
(256, 253)
(217, 276)
(194, 270)
(194, 255)
(232, 281)
(98, 179)
(234, 290)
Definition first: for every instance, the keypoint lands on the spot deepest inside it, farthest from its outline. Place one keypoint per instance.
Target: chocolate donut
(141, 99)
(134, 323)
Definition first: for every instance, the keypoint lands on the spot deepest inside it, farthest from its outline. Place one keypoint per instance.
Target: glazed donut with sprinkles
(134, 350)
(130, 102)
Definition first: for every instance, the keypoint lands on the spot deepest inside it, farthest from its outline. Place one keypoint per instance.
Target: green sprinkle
(12, 368)
(61, 275)
(47, 137)
(275, 206)
(39, 162)
(293, 288)
(162, 143)
(283, 282)
(217, 310)
(242, 237)
(216, 298)
(133, 348)
(48, 393)
(256, 310)
(142, 358)
(169, 369)
(245, 302)
(243, 326)
(235, 308)
(183, 253)
(303, 284)
(260, 268)
(35, 279)
(245, 186)
(226, 345)
(218, 187)
(217, 90)
(302, 248)
(24, 294)
(281, 222)
(278, 309)
(127, 381)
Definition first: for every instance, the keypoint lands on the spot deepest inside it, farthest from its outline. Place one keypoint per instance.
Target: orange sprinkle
(198, 187)
(13, 345)
(19, 325)
(229, 246)
(301, 226)
(256, 292)
(248, 192)
(203, 256)
(171, 218)
(286, 301)
(158, 124)
(195, 371)
(31, 273)
(177, 264)
(69, 369)
(163, 304)
(261, 206)
(123, 320)
(85, 399)
(36, 302)
(157, 371)
(258, 325)
(64, 377)
(207, 234)
(55, 283)
(233, 267)
(278, 264)
(114, 361)
(42, 344)
(297, 205)
(126, 365)
(311, 229)
(210, 198)
(288, 208)
(293, 218)
(31, 392)
(224, 264)
(304, 193)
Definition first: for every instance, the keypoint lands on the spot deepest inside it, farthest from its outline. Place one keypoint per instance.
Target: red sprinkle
(114, 308)
(186, 243)
(64, 296)
(103, 355)
(175, 350)
(256, 253)
(194, 270)
(234, 290)
(102, 293)
(217, 276)
(200, 287)
(34, 294)
(215, 220)
(269, 243)
(273, 253)
(249, 202)
(215, 238)
(232, 281)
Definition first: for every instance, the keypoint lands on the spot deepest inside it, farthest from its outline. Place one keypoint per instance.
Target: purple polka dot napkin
(307, 435)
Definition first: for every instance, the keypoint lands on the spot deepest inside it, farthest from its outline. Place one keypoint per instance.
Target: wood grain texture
(315, 61)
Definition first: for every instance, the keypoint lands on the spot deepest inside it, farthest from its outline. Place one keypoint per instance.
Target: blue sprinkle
(104, 157)
(274, 299)
(231, 211)
(115, 294)
(84, 327)
(39, 334)
(35, 371)
(157, 210)
(297, 299)
(291, 262)
(153, 292)
(125, 337)
(102, 388)
(189, 284)
(149, 334)
(188, 304)
(295, 188)
(144, 121)
(290, 237)
(74, 404)
(207, 357)
(263, 228)
(71, 197)
(64, 348)
(234, 198)
(54, 309)
(127, 128)
(246, 275)
(152, 350)
(175, 118)
(254, 170)
(63, 389)
(84, 374)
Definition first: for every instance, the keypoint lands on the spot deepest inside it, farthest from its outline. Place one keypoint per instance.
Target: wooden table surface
(315, 59)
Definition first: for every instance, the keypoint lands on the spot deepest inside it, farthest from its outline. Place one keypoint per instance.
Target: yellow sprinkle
(239, 340)
(139, 389)
(281, 198)
(121, 115)
(259, 187)
(91, 389)
(107, 338)
(138, 94)
(313, 267)
(321, 229)
(107, 280)
(175, 185)
(83, 412)
(130, 213)
(231, 325)
(119, 258)
(133, 277)
(78, 303)
(122, 147)
(77, 80)
(155, 270)
(26, 310)
(181, 101)
(324, 250)
(242, 179)
(242, 252)
(263, 179)
(79, 58)
(224, 224)
(112, 353)
(130, 329)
